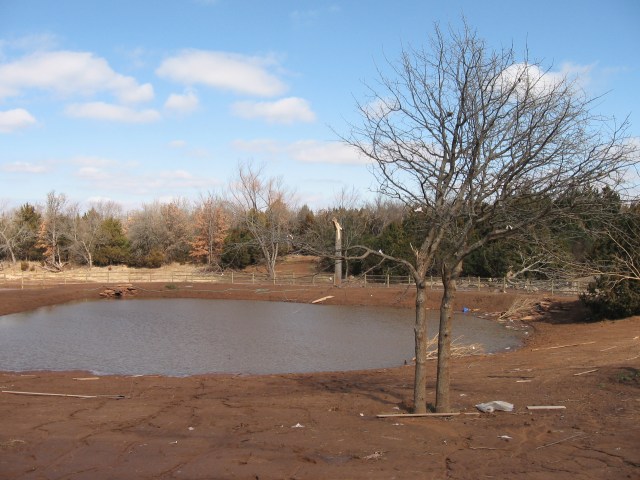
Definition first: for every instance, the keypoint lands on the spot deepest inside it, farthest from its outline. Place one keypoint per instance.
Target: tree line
(225, 232)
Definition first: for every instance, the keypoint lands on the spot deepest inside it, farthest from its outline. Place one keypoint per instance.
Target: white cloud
(24, 167)
(29, 43)
(98, 200)
(540, 81)
(90, 161)
(306, 18)
(176, 174)
(70, 73)
(305, 151)
(103, 178)
(93, 173)
(287, 110)
(185, 103)
(259, 145)
(110, 112)
(312, 151)
(16, 119)
(223, 70)
(177, 144)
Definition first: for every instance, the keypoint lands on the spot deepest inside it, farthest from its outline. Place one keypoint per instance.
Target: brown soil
(221, 426)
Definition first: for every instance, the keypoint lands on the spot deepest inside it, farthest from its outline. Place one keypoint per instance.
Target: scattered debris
(521, 307)
(457, 350)
(584, 373)
(505, 437)
(374, 456)
(490, 407)
(124, 290)
(298, 425)
(12, 443)
(87, 378)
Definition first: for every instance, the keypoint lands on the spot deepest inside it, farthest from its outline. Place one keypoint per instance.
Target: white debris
(490, 407)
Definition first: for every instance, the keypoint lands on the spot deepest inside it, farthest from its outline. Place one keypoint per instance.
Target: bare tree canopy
(263, 205)
(481, 145)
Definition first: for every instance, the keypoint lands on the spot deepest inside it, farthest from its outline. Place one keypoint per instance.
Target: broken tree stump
(119, 291)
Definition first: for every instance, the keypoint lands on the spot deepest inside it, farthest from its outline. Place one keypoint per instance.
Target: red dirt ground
(224, 427)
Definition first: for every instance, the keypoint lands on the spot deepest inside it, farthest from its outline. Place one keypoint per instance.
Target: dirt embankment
(324, 425)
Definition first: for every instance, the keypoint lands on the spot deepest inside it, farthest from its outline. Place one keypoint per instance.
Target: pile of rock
(124, 290)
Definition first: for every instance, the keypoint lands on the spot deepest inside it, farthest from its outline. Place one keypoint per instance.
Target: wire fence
(27, 279)
(555, 286)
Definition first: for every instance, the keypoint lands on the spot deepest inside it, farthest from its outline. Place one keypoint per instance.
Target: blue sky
(143, 100)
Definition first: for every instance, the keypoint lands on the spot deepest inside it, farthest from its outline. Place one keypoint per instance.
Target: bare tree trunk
(443, 378)
(338, 251)
(270, 258)
(420, 329)
(7, 245)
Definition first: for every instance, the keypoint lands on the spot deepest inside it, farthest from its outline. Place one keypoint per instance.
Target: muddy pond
(179, 337)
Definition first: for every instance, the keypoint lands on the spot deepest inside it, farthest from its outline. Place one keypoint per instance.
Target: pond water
(179, 337)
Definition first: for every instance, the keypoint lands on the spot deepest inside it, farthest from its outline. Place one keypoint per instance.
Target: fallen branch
(563, 346)
(546, 407)
(560, 441)
(115, 397)
(518, 308)
(450, 414)
(608, 348)
(318, 300)
(457, 350)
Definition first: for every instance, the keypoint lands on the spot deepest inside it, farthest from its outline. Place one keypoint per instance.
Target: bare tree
(160, 232)
(12, 232)
(211, 223)
(481, 145)
(263, 205)
(54, 230)
(84, 233)
(615, 244)
(86, 229)
(178, 228)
